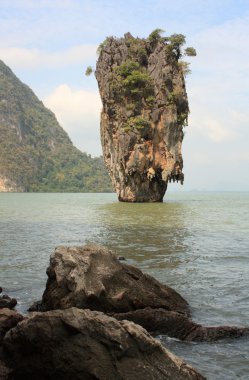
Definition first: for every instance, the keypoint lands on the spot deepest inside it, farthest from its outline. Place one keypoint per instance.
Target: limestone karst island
(145, 108)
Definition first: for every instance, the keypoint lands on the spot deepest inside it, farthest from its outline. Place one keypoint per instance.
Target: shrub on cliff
(155, 36)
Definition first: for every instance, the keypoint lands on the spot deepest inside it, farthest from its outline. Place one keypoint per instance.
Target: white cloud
(78, 112)
(214, 130)
(222, 46)
(35, 59)
(218, 86)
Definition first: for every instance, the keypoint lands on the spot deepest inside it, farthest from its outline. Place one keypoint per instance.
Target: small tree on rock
(190, 51)
(89, 71)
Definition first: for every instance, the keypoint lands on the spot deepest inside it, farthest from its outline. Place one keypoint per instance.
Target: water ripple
(195, 242)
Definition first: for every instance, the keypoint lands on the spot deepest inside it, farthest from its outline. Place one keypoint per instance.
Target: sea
(195, 242)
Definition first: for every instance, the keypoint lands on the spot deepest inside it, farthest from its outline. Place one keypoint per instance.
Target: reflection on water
(195, 242)
(147, 234)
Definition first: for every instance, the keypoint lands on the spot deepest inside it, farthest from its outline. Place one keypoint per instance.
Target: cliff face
(7, 186)
(145, 107)
(36, 154)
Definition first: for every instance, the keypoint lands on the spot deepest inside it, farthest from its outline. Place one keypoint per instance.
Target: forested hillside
(36, 154)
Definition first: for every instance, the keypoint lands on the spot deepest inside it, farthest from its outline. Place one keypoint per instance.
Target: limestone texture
(89, 345)
(92, 277)
(145, 107)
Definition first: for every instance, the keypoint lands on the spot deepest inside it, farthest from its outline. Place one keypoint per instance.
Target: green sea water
(195, 242)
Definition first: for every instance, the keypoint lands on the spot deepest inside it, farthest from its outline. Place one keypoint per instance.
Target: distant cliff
(145, 107)
(36, 154)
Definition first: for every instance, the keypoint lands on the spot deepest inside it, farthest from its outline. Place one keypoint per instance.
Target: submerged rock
(179, 326)
(83, 344)
(93, 277)
(145, 107)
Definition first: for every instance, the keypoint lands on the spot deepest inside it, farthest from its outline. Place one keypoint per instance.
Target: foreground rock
(4, 371)
(93, 277)
(83, 344)
(8, 320)
(179, 326)
(145, 108)
(6, 301)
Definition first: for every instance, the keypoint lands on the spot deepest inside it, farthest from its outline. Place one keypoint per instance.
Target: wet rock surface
(93, 277)
(6, 301)
(84, 344)
(8, 320)
(145, 107)
(178, 326)
(66, 339)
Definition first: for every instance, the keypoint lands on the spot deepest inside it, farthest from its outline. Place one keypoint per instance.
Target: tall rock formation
(145, 106)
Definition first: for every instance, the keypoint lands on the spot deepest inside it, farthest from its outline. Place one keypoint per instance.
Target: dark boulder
(6, 301)
(4, 371)
(8, 320)
(89, 345)
(179, 326)
(93, 277)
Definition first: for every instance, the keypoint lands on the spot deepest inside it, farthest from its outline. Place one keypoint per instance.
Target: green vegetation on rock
(36, 153)
(184, 66)
(103, 44)
(190, 51)
(131, 83)
(89, 71)
(155, 36)
(135, 81)
(137, 122)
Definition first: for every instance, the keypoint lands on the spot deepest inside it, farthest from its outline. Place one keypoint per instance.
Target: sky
(49, 43)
